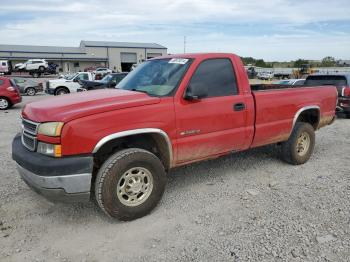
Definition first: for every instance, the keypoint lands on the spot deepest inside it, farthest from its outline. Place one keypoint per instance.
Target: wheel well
(61, 87)
(152, 142)
(311, 116)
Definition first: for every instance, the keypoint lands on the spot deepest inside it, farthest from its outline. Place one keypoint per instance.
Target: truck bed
(277, 105)
(264, 87)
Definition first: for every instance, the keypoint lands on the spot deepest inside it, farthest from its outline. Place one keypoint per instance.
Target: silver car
(27, 86)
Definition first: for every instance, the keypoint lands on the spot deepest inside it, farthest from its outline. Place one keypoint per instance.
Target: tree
(328, 61)
(298, 63)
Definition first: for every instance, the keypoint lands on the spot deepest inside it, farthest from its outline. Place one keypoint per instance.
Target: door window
(217, 76)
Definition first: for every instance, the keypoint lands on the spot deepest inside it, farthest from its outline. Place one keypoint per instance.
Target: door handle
(239, 107)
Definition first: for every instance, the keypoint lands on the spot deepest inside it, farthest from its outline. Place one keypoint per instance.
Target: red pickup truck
(168, 112)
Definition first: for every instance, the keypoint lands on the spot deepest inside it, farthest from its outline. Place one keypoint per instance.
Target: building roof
(41, 49)
(121, 44)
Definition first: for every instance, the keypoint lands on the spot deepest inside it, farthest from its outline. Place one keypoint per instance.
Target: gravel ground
(248, 206)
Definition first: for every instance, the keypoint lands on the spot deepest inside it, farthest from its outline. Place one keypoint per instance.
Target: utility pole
(184, 44)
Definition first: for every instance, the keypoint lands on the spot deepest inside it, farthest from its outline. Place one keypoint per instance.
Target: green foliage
(328, 61)
(300, 62)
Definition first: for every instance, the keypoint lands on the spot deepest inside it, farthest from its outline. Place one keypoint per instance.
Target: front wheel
(61, 91)
(130, 184)
(41, 69)
(298, 148)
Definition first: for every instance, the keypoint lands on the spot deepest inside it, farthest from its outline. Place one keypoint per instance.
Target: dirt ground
(248, 206)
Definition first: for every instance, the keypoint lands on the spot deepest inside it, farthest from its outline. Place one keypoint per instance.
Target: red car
(9, 93)
(168, 112)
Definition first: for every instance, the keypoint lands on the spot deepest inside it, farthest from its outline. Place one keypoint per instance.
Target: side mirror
(113, 84)
(76, 79)
(196, 92)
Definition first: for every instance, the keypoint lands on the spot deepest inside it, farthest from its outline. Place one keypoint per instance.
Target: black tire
(291, 148)
(41, 69)
(61, 91)
(111, 174)
(30, 91)
(5, 103)
(35, 75)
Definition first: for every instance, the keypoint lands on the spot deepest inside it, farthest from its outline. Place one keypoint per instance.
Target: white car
(265, 75)
(33, 65)
(102, 71)
(69, 84)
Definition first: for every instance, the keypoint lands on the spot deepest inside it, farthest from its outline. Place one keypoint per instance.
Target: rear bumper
(343, 105)
(65, 179)
(15, 98)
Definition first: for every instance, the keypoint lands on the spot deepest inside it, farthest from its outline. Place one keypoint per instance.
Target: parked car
(169, 112)
(265, 75)
(293, 82)
(341, 81)
(109, 81)
(5, 67)
(67, 85)
(9, 93)
(27, 86)
(33, 65)
(102, 71)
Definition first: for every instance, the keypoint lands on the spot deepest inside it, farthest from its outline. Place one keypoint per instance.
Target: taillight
(345, 91)
(11, 89)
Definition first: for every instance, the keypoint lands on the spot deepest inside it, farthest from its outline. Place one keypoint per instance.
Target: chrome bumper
(68, 188)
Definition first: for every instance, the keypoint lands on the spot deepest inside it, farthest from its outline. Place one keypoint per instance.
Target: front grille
(29, 141)
(29, 126)
(29, 132)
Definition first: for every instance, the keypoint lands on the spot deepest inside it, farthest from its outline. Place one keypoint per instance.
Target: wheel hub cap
(135, 186)
(3, 103)
(303, 144)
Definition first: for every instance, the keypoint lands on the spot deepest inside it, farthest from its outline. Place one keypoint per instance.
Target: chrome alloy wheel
(135, 186)
(303, 143)
(4, 103)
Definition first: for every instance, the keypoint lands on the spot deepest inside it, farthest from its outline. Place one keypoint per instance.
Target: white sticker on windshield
(180, 61)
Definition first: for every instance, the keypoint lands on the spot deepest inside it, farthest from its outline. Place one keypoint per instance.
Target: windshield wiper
(142, 91)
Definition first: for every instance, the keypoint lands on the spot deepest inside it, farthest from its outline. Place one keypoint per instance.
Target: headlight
(50, 129)
(49, 149)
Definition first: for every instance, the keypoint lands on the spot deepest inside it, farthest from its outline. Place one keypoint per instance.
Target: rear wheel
(4, 103)
(298, 148)
(30, 91)
(130, 184)
(41, 69)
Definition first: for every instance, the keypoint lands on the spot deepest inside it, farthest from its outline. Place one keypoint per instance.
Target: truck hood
(68, 107)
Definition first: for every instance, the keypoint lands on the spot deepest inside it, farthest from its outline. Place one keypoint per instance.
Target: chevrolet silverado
(118, 144)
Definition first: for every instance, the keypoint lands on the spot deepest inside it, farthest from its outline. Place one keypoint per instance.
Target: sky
(274, 30)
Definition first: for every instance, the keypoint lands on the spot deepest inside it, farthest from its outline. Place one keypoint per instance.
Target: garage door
(128, 58)
(151, 55)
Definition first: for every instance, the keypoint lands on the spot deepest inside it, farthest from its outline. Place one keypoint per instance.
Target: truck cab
(69, 84)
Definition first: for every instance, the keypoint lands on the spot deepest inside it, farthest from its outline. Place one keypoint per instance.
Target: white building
(118, 56)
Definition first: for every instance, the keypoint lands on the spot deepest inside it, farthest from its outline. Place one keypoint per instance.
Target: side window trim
(237, 91)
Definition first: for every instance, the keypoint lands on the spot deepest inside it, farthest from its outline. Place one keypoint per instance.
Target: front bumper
(66, 179)
(49, 91)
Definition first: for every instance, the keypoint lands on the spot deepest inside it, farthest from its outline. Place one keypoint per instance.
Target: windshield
(156, 77)
(326, 80)
(70, 77)
(107, 79)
